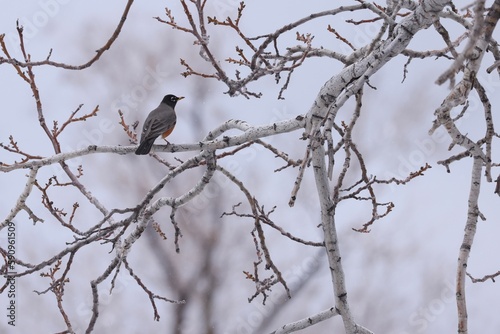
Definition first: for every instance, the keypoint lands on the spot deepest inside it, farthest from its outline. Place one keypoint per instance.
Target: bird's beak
(180, 97)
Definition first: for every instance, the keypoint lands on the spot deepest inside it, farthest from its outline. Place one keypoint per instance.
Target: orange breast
(167, 133)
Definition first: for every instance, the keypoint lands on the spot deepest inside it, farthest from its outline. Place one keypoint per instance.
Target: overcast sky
(409, 257)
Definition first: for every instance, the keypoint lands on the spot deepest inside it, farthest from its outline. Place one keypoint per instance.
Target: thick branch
(307, 322)
(468, 240)
(250, 133)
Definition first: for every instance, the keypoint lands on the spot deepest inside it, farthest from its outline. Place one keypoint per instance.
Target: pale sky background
(399, 277)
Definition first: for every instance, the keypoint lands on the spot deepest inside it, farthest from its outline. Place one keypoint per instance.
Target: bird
(160, 121)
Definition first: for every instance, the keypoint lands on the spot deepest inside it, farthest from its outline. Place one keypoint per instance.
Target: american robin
(160, 121)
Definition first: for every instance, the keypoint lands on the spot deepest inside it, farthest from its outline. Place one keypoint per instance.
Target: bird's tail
(145, 147)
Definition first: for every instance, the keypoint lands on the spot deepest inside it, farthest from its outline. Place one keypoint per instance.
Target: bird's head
(171, 100)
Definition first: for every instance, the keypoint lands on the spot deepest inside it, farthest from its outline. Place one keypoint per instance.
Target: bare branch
(307, 322)
(47, 62)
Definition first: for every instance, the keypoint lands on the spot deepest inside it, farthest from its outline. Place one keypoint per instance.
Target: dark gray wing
(159, 120)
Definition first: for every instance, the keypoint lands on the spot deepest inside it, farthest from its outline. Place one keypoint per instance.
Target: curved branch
(98, 54)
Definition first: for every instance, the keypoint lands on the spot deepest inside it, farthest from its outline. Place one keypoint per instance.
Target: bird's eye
(173, 98)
